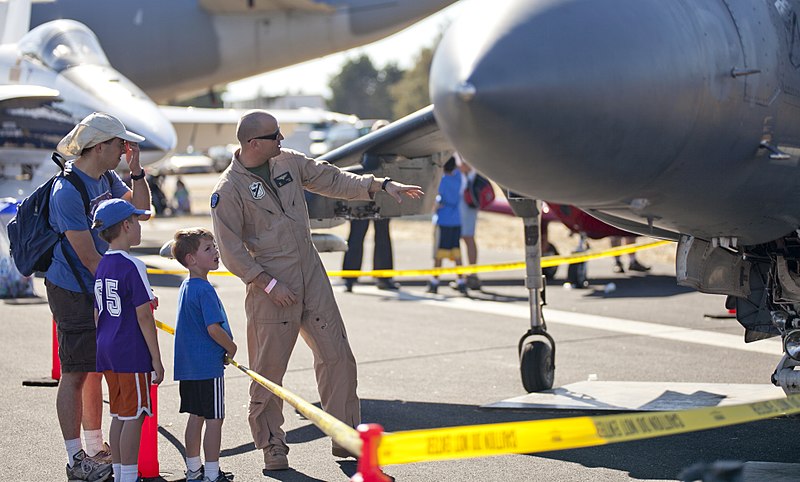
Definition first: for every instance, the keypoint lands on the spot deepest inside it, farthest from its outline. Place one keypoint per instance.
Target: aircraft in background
(52, 77)
(172, 48)
(178, 48)
(677, 120)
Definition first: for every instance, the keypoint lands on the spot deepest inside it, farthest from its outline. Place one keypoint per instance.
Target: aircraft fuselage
(649, 112)
(179, 47)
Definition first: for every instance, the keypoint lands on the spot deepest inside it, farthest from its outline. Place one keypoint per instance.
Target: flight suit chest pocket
(260, 224)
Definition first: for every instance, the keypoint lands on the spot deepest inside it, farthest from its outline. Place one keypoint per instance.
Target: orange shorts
(129, 394)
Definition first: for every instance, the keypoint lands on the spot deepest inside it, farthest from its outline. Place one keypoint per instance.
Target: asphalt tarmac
(430, 361)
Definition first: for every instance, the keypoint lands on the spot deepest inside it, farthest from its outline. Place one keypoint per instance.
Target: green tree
(361, 89)
(411, 92)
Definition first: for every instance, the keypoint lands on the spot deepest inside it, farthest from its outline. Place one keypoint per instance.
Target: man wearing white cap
(98, 143)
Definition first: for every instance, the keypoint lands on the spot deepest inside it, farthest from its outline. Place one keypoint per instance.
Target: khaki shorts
(75, 328)
(129, 394)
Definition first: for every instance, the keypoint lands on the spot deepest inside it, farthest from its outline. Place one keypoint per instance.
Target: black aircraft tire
(536, 366)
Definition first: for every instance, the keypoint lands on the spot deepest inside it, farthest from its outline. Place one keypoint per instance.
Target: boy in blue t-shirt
(127, 343)
(447, 237)
(202, 340)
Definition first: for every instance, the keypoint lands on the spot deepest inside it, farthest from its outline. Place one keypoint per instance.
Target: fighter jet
(174, 49)
(677, 120)
(50, 78)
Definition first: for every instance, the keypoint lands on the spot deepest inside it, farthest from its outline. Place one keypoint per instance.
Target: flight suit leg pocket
(324, 335)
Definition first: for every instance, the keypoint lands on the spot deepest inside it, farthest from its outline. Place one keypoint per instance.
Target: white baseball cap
(92, 130)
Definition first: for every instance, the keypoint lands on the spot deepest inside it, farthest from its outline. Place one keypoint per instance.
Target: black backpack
(31, 237)
(479, 192)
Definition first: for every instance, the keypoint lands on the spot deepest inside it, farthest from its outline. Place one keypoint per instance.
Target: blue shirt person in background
(447, 237)
(98, 142)
(202, 340)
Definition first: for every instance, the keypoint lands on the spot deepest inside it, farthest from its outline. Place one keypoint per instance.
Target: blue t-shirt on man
(67, 213)
(197, 355)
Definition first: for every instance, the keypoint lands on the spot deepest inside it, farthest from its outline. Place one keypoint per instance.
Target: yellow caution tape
(165, 327)
(343, 434)
(567, 433)
(547, 262)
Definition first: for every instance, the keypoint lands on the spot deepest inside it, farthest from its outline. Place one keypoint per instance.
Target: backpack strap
(76, 182)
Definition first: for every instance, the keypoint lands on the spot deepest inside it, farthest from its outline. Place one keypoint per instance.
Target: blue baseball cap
(113, 211)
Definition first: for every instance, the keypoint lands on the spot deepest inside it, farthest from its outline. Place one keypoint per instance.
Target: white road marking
(630, 327)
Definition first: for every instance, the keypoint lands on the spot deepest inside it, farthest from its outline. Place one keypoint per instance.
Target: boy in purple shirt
(127, 344)
(202, 340)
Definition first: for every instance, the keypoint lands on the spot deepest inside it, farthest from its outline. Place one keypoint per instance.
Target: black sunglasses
(270, 137)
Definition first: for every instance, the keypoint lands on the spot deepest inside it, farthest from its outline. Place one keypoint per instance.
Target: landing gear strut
(537, 349)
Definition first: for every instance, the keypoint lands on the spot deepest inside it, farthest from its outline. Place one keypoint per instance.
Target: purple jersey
(120, 286)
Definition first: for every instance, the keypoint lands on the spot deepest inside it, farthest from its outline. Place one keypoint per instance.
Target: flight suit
(264, 226)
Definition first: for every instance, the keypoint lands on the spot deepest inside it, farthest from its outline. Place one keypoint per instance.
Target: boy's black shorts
(204, 398)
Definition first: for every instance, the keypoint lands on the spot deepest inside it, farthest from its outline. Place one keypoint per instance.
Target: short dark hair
(112, 232)
(187, 241)
(450, 165)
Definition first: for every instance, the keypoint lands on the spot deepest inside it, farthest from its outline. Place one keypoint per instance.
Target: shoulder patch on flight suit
(214, 200)
(283, 179)
(257, 190)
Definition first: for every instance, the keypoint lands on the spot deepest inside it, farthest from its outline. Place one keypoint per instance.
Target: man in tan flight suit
(261, 223)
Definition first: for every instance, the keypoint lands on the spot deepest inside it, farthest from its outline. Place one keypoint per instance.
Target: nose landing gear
(537, 349)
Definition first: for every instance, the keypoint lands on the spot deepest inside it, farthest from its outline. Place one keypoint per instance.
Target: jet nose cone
(563, 99)
(145, 119)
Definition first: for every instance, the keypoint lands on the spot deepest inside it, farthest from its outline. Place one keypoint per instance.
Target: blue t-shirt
(197, 355)
(121, 286)
(68, 214)
(449, 198)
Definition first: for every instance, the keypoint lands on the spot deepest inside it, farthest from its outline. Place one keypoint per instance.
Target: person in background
(182, 203)
(127, 344)
(447, 237)
(382, 257)
(633, 263)
(469, 219)
(202, 340)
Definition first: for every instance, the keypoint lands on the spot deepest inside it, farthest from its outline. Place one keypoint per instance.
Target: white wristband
(271, 285)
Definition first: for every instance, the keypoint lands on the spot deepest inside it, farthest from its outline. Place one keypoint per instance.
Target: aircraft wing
(202, 128)
(13, 92)
(411, 150)
(227, 6)
(416, 135)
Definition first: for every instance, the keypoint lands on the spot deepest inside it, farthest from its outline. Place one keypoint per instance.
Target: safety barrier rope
(547, 262)
(342, 433)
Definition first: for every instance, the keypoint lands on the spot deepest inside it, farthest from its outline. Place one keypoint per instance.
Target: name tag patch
(283, 179)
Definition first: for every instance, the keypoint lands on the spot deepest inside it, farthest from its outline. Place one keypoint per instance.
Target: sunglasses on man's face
(269, 137)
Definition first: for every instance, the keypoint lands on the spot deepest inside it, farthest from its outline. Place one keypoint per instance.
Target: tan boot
(341, 452)
(275, 458)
